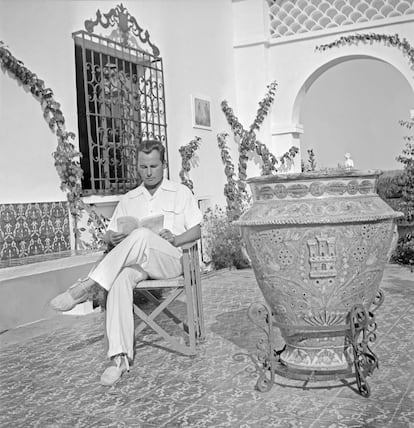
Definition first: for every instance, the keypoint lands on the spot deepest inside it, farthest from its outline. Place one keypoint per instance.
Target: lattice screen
(289, 17)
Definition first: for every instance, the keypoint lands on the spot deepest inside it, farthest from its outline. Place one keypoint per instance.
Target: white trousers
(140, 255)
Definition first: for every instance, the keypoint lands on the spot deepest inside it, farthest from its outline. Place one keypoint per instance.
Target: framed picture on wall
(201, 111)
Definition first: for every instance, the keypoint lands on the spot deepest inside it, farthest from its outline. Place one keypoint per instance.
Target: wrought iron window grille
(120, 100)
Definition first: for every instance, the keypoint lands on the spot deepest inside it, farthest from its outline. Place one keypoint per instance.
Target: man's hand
(114, 238)
(168, 236)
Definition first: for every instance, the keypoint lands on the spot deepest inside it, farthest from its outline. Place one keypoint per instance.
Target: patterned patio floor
(49, 372)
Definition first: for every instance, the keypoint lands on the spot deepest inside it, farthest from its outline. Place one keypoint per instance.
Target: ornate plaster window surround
(291, 17)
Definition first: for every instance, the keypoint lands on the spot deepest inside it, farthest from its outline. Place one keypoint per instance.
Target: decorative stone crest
(322, 257)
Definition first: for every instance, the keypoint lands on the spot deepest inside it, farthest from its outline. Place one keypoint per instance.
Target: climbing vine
(248, 140)
(236, 195)
(390, 40)
(187, 158)
(311, 164)
(223, 243)
(66, 156)
(235, 189)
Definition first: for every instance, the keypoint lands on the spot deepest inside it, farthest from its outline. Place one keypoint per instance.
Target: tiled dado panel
(33, 228)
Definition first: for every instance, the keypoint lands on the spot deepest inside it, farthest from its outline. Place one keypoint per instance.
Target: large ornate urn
(318, 243)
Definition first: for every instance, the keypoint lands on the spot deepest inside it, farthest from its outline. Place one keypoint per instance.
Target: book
(127, 224)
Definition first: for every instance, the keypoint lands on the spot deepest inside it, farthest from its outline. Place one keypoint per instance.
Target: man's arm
(112, 238)
(189, 235)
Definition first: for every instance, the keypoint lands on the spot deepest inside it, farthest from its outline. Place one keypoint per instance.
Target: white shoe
(112, 374)
(77, 293)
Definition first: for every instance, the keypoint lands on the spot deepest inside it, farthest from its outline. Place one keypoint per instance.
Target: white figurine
(349, 163)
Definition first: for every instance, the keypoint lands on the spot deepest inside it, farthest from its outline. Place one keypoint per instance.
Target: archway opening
(355, 106)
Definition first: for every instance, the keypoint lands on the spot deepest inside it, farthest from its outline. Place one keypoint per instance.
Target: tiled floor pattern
(52, 378)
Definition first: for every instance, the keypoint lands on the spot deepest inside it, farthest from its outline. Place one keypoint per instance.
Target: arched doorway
(354, 105)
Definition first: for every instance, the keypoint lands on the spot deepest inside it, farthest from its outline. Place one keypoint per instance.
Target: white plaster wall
(195, 40)
(250, 21)
(295, 64)
(27, 172)
(360, 116)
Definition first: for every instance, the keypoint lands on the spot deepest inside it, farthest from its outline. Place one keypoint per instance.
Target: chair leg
(201, 334)
(191, 323)
(157, 302)
(161, 308)
(179, 347)
(198, 304)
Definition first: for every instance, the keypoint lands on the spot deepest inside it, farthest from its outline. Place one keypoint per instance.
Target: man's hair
(147, 146)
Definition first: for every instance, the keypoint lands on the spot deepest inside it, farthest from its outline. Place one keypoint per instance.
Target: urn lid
(333, 196)
(315, 175)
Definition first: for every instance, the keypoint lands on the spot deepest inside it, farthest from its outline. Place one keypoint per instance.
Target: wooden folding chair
(189, 285)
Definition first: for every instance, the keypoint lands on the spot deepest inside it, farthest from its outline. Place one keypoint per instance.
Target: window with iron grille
(120, 100)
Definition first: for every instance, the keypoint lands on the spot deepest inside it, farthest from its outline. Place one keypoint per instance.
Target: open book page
(127, 224)
(153, 222)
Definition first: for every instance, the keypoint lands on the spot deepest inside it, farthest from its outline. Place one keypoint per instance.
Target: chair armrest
(188, 245)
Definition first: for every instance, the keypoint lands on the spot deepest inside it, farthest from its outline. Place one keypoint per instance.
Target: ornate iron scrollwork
(378, 300)
(363, 327)
(361, 333)
(122, 99)
(266, 355)
(126, 24)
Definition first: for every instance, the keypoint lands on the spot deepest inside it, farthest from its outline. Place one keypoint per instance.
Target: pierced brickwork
(289, 17)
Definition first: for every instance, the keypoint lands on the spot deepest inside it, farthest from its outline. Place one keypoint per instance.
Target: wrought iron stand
(359, 333)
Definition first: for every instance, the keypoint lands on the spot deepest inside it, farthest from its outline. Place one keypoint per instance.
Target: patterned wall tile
(32, 229)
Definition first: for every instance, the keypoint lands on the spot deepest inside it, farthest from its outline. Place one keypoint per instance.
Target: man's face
(151, 169)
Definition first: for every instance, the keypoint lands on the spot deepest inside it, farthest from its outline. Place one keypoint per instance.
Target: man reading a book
(138, 253)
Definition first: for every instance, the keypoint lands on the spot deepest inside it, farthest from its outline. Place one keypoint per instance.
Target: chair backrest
(192, 284)
(191, 262)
